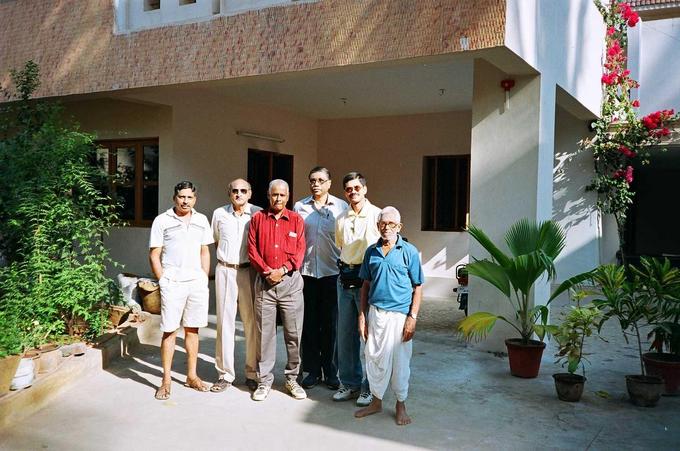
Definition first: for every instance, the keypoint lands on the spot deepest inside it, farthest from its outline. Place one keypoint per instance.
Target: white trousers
(234, 289)
(388, 358)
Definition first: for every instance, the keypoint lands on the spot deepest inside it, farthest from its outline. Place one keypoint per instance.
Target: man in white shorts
(180, 259)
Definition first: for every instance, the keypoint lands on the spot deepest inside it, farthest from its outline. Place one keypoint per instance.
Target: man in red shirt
(276, 247)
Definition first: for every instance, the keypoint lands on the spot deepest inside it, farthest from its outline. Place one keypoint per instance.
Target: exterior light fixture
(258, 136)
(507, 85)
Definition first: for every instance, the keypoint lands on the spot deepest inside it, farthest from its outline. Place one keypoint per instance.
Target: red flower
(636, 104)
(611, 31)
(627, 152)
(609, 79)
(618, 174)
(664, 132)
(633, 19)
(629, 174)
(614, 49)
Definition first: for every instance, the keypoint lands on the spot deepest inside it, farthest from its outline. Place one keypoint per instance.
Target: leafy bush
(53, 219)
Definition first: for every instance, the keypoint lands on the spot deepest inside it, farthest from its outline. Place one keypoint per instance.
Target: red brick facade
(74, 44)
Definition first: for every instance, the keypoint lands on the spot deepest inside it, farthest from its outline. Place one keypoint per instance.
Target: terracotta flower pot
(8, 367)
(569, 386)
(644, 391)
(50, 357)
(117, 314)
(666, 366)
(525, 359)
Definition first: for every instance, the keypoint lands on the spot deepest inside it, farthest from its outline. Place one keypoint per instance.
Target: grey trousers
(287, 297)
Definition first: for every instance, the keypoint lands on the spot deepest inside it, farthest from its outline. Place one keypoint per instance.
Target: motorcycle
(462, 289)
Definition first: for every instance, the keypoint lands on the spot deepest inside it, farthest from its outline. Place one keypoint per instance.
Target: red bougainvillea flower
(635, 104)
(611, 31)
(629, 174)
(627, 152)
(630, 16)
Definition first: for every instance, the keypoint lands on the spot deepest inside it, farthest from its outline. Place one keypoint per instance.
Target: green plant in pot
(664, 361)
(578, 323)
(632, 296)
(533, 249)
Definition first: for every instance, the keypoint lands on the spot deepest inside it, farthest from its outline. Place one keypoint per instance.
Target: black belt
(234, 265)
(342, 264)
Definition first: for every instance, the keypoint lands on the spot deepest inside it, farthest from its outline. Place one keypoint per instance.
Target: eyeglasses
(241, 190)
(389, 225)
(317, 181)
(357, 188)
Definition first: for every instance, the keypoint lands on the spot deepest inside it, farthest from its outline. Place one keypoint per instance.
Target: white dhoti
(388, 358)
(234, 289)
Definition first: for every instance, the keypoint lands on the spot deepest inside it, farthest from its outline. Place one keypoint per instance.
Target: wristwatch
(414, 316)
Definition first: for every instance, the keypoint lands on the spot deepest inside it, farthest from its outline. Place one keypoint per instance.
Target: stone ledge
(20, 404)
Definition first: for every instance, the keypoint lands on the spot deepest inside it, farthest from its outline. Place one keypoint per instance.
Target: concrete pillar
(511, 173)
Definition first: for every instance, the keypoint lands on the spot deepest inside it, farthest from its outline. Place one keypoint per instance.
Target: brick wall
(74, 44)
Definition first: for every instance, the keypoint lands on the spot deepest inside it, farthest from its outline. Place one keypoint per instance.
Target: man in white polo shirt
(180, 259)
(234, 279)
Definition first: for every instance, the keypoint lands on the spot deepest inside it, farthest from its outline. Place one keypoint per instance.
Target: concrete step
(18, 405)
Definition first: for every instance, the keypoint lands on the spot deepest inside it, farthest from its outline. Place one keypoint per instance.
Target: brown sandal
(220, 385)
(163, 392)
(197, 384)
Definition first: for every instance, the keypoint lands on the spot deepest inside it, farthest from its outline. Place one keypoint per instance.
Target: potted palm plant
(533, 249)
(578, 323)
(631, 295)
(665, 335)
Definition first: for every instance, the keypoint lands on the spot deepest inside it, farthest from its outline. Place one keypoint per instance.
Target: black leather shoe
(310, 381)
(332, 384)
(251, 384)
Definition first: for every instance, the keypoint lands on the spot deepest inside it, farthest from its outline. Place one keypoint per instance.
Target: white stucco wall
(197, 142)
(563, 40)
(389, 152)
(573, 207)
(655, 60)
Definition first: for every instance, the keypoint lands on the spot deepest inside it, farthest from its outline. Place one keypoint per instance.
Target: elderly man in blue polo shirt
(390, 300)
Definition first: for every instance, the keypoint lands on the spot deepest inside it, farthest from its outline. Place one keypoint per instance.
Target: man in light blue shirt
(390, 300)
(320, 273)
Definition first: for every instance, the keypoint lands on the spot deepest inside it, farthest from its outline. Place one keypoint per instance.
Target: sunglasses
(349, 189)
(237, 190)
(389, 225)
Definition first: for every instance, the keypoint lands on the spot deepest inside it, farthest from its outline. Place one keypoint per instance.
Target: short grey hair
(278, 182)
(389, 211)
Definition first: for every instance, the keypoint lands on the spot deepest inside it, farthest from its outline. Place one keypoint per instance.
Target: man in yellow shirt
(355, 230)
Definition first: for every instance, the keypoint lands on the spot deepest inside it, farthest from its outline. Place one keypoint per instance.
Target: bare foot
(402, 417)
(374, 407)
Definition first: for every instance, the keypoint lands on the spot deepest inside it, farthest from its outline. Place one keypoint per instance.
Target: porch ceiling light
(507, 85)
(258, 136)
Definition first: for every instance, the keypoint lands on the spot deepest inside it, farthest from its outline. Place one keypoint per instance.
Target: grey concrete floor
(460, 398)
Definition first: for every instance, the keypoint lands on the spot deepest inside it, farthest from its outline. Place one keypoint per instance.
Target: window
(133, 169)
(263, 167)
(446, 192)
(152, 5)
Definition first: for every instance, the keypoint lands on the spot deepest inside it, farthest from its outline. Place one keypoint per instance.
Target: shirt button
(276, 245)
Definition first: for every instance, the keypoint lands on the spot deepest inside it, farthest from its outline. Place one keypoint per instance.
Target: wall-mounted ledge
(137, 15)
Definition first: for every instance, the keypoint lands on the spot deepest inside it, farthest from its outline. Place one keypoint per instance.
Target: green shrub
(53, 218)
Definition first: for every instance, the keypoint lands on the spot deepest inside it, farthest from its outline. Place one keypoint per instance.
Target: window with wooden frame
(446, 193)
(132, 167)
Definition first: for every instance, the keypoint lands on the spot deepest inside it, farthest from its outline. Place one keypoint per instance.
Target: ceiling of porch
(406, 87)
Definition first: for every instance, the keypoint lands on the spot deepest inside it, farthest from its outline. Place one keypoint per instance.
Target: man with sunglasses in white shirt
(234, 280)
(355, 230)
